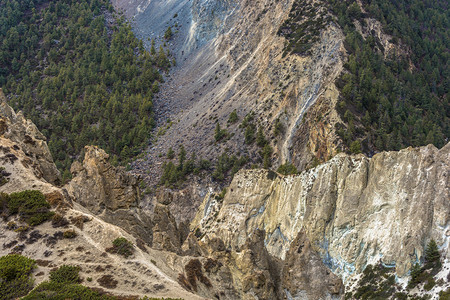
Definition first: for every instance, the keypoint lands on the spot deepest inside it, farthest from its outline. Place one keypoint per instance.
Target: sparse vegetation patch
(31, 207)
(122, 246)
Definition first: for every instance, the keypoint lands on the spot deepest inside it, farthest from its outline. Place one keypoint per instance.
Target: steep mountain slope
(256, 83)
(291, 63)
(239, 65)
(27, 164)
(268, 237)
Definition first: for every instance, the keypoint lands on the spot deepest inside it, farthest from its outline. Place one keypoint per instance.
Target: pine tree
(219, 133)
(432, 256)
(415, 272)
(170, 153)
(260, 138)
(233, 118)
(278, 128)
(181, 157)
(249, 134)
(168, 34)
(267, 156)
(152, 48)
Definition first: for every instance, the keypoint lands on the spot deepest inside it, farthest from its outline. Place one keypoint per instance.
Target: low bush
(107, 281)
(122, 246)
(59, 221)
(444, 295)
(59, 291)
(15, 276)
(31, 206)
(69, 234)
(65, 274)
(377, 282)
(233, 118)
(287, 169)
(63, 285)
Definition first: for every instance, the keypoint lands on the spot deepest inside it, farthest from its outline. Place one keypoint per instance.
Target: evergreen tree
(170, 153)
(260, 138)
(219, 134)
(233, 118)
(432, 256)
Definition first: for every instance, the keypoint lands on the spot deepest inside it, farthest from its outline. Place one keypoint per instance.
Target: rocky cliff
(22, 141)
(98, 193)
(109, 192)
(350, 211)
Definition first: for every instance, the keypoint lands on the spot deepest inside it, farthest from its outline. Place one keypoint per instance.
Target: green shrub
(260, 138)
(63, 285)
(219, 133)
(377, 282)
(287, 169)
(278, 128)
(355, 147)
(31, 207)
(65, 274)
(168, 34)
(430, 284)
(4, 210)
(249, 135)
(70, 234)
(15, 275)
(267, 156)
(444, 295)
(170, 153)
(51, 290)
(122, 247)
(221, 195)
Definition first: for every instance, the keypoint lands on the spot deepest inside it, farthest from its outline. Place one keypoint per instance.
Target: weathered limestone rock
(98, 185)
(23, 135)
(165, 233)
(353, 210)
(109, 192)
(259, 271)
(305, 276)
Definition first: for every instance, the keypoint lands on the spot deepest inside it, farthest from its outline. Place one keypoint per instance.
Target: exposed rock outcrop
(20, 134)
(304, 274)
(167, 234)
(114, 195)
(109, 192)
(99, 186)
(352, 211)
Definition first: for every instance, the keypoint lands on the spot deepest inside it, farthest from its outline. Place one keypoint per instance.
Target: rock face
(99, 186)
(109, 192)
(351, 210)
(24, 136)
(304, 274)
